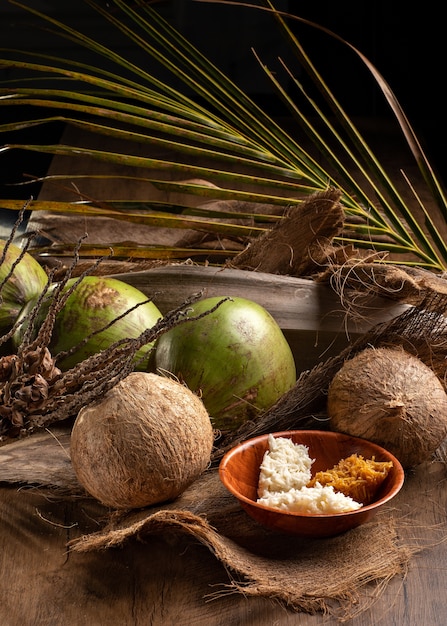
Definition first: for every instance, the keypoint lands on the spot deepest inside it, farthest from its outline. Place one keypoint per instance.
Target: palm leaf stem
(193, 188)
(153, 209)
(240, 117)
(379, 170)
(164, 220)
(235, 178)
(63, 30)
(227, 90)
(323, 180)
(406, 128)
(194, 69)
(148, 98)
(363, 148)
(250, 160)
(127, 114)
(241, 127)
(314, 173)
(131, 252)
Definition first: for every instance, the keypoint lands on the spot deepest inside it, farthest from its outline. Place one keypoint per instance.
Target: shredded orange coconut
(355, 477)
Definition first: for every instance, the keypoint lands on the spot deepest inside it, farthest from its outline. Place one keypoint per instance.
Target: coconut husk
(356, 279)
(301, 242)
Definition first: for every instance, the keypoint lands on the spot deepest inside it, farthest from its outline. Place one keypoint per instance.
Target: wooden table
(169, 579)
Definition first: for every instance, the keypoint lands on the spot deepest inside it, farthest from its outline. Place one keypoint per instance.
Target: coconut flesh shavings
(286, 465)
(285, 473)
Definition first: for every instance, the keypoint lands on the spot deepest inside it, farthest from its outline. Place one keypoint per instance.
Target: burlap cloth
(317, 575)
(341, 576)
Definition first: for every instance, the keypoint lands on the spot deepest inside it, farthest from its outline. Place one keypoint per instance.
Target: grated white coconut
(285, 471)
(286, 465)
(313, 500)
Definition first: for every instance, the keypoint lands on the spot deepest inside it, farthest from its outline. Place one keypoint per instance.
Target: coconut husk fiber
(299, 244)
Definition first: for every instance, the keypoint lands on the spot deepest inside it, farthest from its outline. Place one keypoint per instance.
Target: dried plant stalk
(35, 393)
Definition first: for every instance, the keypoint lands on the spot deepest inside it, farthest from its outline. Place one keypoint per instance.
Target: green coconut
(236, 358)
(24, 283)
(96, 302)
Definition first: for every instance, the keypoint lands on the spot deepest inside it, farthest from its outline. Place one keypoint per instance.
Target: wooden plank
(311, 315)
(295, 303)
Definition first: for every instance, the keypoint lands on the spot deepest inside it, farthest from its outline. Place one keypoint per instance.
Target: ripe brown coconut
(390, 397)
(145, 442)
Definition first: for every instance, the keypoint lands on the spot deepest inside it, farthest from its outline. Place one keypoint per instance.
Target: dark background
(406, 46)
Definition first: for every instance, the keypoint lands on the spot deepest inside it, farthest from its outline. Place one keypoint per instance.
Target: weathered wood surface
(310, 314)
(172, 580)
(295, 303)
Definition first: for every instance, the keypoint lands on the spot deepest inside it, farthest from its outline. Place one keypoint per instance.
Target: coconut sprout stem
(11, 239)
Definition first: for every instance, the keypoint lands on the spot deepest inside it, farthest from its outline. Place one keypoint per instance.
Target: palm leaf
(130, 103)
(152, 218)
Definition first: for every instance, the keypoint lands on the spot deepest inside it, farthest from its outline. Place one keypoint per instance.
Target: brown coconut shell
(145, 442)
(390, 397)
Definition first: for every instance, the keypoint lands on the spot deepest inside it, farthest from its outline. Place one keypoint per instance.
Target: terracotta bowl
(240, 467)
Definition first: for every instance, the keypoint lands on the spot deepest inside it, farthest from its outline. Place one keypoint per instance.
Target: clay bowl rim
(382, 452)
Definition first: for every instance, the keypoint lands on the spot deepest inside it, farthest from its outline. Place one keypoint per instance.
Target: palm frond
(222, 126)
(152, 218)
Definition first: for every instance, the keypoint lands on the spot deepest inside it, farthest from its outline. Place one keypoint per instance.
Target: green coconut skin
(236, 358)
(25, 283)
(95, 302)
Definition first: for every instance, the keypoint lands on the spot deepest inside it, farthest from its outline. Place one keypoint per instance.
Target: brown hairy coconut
(390, 397)
(145, 442)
